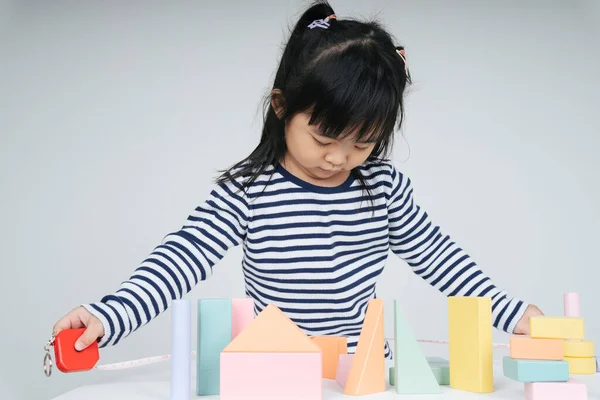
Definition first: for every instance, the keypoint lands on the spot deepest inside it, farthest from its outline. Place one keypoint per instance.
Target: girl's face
(319, 158)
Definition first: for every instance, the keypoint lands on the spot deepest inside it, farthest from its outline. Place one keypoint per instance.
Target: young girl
(316, 206)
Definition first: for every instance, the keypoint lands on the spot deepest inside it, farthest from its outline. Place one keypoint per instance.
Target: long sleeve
(438, 260)
(183, 259)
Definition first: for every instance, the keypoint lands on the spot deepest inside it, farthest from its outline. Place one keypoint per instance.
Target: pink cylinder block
(571, 304)
(343, 369)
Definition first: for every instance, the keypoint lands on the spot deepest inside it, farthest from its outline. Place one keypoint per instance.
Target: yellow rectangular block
(579, 348)
(581, 365)
(546, 327)
(470, 334)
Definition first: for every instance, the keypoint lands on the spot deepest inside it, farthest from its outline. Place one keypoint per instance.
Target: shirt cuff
(518, 314)
(103, 341)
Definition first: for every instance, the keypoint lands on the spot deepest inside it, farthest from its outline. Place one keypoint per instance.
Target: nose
(336, 158)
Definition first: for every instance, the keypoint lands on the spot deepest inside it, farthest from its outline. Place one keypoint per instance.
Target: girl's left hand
(522, 327)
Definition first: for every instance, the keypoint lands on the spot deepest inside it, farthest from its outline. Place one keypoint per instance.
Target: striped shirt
(315, 252)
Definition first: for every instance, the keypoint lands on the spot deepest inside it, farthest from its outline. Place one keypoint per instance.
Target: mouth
(330, 171)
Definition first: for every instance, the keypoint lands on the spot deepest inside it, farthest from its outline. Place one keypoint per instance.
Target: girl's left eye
(321, 143)
(362, 148)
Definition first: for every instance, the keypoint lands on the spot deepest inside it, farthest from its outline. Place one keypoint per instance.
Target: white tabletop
(155, 386)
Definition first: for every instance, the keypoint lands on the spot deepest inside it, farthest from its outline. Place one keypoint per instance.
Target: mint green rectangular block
(214, 334)
(437, 360)
(439, 366)
(535, 370)
(441, 369)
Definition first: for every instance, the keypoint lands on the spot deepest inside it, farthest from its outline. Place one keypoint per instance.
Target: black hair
(348, 76)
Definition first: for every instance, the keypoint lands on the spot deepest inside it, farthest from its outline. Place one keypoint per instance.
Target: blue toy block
(214, 334)
(535, 370)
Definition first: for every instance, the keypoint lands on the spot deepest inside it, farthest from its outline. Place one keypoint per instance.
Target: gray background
(115, 116)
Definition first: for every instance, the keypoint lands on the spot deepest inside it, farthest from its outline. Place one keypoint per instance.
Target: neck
(300, 172)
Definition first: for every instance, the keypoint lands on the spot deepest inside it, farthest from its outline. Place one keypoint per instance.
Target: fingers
(540, 312)
(81, 318)
(70, 321)
(90, 335)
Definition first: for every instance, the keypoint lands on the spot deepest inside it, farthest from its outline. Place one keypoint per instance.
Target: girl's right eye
(321, 143)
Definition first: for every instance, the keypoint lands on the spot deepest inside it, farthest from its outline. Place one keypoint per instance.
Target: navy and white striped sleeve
(438, 260)
(183, 259)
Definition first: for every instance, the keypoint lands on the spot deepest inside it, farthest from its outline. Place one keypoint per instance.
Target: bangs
(349, 94)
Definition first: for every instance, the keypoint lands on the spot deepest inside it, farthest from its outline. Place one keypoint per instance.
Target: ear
(278, 102)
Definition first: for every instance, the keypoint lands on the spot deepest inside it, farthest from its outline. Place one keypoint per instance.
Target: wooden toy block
(527, 348)
(271, 359)
(535, 370)
(413, 374)
(242, 313)
(571, 390)
(546, 327)
(439, 367)
(470, 334)
(579, 348)
(437, 360)
(343, 368)
(214, 334)
(331, 348)
(571, 305)
(367, 372)
(581, 365)
(271, 376)
(272, 332)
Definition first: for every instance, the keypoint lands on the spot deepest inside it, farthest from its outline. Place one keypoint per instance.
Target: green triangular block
(412, 372)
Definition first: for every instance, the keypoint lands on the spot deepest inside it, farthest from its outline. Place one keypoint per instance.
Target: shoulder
(382, 171)
(246, 177)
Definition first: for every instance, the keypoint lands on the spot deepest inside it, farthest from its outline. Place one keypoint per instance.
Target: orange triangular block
(272, 332)
(367, 373)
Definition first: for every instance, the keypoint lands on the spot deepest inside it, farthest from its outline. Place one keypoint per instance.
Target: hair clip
(402, 54)
(322, 23)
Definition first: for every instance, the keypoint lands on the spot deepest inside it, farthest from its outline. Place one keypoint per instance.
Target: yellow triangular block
(367, 373)
(273, 332)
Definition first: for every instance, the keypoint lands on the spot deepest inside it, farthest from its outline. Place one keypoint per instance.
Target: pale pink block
(271, 376)
(242, 313)
(343, 369)
(571, 390)
(571, 305)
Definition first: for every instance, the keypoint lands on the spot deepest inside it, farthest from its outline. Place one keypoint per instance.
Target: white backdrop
(115, 116)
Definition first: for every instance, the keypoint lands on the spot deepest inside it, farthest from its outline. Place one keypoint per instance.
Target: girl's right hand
(81, 318)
